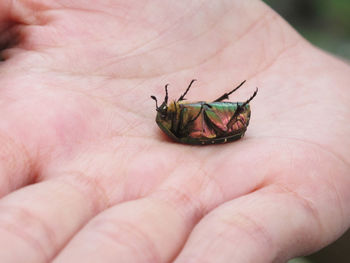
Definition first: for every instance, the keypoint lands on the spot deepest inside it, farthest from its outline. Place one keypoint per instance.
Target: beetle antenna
(153, 97)
(188, 88)
(166, 94)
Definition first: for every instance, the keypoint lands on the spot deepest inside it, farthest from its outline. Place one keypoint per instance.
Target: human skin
(87, 176)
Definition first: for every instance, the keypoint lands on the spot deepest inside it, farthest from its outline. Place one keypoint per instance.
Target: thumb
(4, 13)
(5, 23)
(13, 13)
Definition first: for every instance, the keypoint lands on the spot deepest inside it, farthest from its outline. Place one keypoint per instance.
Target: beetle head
(163, 108)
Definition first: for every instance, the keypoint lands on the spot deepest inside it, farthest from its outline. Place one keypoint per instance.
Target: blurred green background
(326, 24)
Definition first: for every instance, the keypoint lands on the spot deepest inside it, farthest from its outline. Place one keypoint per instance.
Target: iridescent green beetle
(203, 122)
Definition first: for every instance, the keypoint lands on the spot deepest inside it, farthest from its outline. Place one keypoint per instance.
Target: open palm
(87, 176)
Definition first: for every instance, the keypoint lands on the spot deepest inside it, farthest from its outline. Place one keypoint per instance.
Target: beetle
(203, 122)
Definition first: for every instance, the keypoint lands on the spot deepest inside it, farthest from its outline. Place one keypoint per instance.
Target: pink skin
(87, 176)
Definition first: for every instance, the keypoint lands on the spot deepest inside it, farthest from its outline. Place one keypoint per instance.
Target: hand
(87, 176)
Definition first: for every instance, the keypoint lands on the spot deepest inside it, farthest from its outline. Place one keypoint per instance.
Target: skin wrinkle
(161, 33)
(85, 10)
(127, 124)
(307, 204)
(246, 224)
(22, 12)
(242, 223)
(30, 41)
(19, 234)
(182, 202)
(225, 196)
(344, 223)
(129, 91)
(188, 203)
(121, 112)
(125, 55)
(200, 63)
(97, 205)
(19, 214)
(87, 187)
(211, 27)
(299, 106)
(17, 155)
(310, 208)
(130, 126)
(30, 56)
(9, 37)
(79, 10)
(275, 59)
(122, 144)
(96, 11)
(251, 27)
(321, 147)
(325, 150)
(331, 184)
(211, 180)
(265, 20)
(109, 102)
(179, 159)
(126, 15)
(208, 59)
(269, 21)
(129, 190)
(179, 70)
(198, 209)
(132, 235)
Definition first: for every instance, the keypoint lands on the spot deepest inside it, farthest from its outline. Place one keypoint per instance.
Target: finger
(137, 231)
(16, 166)
(4, 12)
(154, 228)
(8, 18)
(39, 219)
(271, 225)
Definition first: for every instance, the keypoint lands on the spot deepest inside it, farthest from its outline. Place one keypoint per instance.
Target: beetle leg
(195, 118)
(239, 109)
(182, 97)
(233, 120)
(225, 96)
(199, 113)
(173, 121)
(250, 99)
(234, 116)
(212, 124)
(153, 97)
(166, 94)
(182, 110)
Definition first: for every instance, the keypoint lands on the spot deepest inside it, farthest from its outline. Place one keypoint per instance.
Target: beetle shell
(210, 127)
(204, 122)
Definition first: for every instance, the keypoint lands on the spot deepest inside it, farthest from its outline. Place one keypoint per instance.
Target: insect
(203, 122)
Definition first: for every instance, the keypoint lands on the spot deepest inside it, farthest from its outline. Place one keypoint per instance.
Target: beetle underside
(204, 122)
